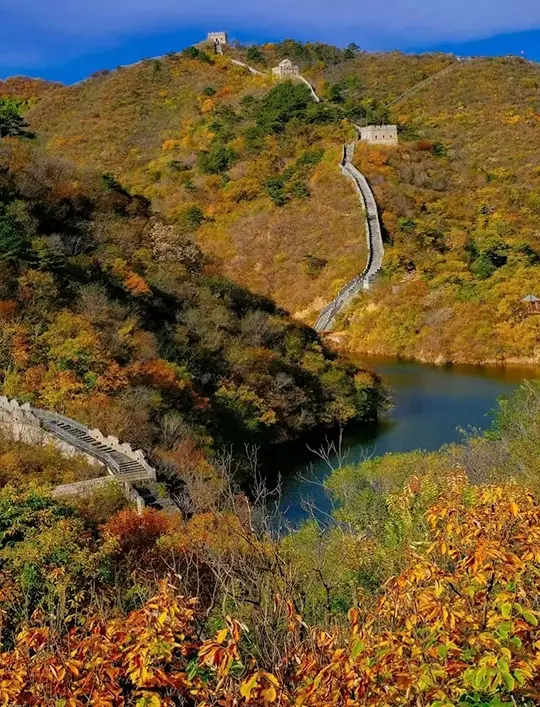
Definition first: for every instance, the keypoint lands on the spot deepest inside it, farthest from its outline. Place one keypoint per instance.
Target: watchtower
(285, 69)
(217, 38)
(379, 134)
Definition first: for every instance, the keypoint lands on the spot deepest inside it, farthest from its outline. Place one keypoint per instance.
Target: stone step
(126, 469)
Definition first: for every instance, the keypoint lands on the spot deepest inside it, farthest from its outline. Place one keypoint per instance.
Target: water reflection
(432, 407)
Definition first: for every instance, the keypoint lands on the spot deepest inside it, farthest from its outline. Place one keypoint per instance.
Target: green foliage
(217, 160)
(14, 245)
(310, 158)
(190, 218)
(283, 103)
(195, 53)
(12, 124)
(255, 55)
(291, 183)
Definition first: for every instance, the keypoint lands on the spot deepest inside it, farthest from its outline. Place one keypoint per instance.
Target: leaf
(514, 508)
(269, 693)
(357, 648)
(522, 675)
(529, 617)
(506, 610)
(442, 651)
(247, 686)
(222, 635)
(503, 666)
(509, 681)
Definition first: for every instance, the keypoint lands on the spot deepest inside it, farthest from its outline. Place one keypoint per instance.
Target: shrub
(217, 160)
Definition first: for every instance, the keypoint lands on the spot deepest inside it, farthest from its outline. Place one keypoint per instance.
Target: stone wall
(310, 86)
(379, 134)
(248, 67)
(217, 37)
(20, 424)
(125, 448)
(84, 488)
(374, 243)
(23, 424)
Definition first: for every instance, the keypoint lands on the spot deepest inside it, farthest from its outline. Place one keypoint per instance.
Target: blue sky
(67, 40)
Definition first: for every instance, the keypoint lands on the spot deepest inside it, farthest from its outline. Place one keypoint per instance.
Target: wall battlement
(379, 134)
(120, 461)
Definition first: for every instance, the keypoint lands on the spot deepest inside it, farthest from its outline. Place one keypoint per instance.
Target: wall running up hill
(375, 244)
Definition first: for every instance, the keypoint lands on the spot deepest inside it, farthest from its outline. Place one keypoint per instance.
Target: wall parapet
(374, 243)
(36, 426)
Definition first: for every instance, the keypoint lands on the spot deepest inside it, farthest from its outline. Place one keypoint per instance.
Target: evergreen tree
(14, 245)
(12, 124)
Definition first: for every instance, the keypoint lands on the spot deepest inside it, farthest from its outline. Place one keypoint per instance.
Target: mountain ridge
(299, 239)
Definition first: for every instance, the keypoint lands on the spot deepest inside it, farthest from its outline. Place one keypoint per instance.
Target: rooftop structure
(379, 134)
(533, 301)
(285, 69)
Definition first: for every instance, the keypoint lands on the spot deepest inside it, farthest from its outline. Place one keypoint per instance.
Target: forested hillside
(460, 205)
(114, 317)
(249, 171)
(276, 214)
(135, 210)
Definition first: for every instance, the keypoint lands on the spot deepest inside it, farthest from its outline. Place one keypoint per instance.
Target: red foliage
(138, 532)
(7, 309)
(424, 145)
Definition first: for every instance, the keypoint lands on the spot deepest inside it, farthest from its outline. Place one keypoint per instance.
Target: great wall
(373, 227)
(121, 464)
(374, 243)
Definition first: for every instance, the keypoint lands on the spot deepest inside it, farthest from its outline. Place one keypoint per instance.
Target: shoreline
(340, 347)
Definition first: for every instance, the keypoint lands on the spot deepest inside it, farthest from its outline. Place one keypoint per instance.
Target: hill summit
(248, 167)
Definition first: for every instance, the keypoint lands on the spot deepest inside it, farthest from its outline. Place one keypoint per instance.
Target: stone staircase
(127, 466)
(120, 464)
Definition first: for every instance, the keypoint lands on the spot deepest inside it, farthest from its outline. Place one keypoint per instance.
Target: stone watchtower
(285, 70)
(217, 38)
(379, 134)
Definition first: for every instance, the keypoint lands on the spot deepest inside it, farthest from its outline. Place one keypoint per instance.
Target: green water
(432, 407)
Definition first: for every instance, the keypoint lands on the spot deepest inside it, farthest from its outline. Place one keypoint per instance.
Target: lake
(432, 407)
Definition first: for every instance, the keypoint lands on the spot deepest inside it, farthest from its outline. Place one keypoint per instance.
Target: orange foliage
(161, 373)
(136, 285)
(139, 533)
(462, 620)
(8, 308)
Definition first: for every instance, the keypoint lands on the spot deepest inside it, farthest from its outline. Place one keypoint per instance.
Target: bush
(217, 160)
(255, 55)
(282, 104)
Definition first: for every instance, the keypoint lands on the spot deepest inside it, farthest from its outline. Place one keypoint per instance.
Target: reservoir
(432, 406)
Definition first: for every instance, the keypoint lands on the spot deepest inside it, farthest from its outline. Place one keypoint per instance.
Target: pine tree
(12, 124)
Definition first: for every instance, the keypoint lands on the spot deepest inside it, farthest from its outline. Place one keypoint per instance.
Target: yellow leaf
(247, 686)
(514, 508)
(270, 678)
(269, 694)
(222, 635)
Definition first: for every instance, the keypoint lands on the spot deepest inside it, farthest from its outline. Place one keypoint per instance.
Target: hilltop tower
(379, 134)
(285, 70)
(217, 38)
